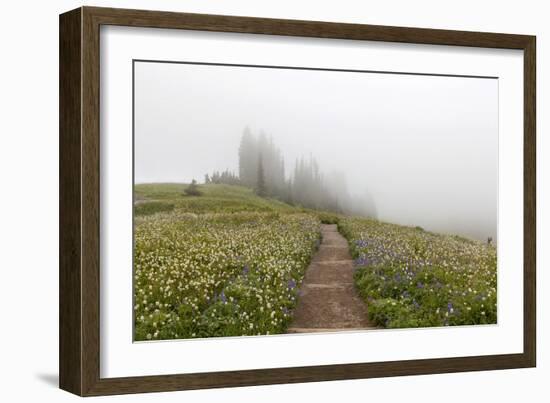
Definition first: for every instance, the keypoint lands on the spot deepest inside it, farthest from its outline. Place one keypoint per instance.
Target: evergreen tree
(215, 177)
(260, 183)
(248, 158)
(227, 177)
(262, 168)
(289, 199)
(193, 189)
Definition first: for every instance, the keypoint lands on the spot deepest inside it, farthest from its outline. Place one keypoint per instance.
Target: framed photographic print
(249, 201)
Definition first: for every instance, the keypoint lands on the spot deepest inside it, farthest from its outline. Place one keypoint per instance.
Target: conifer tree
(248, 158)
(193, 189)
(260, 183)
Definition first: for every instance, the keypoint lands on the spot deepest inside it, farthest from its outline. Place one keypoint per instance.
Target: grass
(148, 208)
(229, 263)
(215, 198)
(410, 277)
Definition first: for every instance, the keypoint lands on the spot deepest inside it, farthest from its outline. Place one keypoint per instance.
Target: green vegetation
(214, 199)
(232, 270)
(229, 263)
(148, 208)
(193, 189)
(413, 278)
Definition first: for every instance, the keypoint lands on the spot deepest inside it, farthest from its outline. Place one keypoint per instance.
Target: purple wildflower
(362, 261)
(222, 297)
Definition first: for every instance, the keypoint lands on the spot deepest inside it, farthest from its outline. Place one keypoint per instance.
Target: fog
(420, 150)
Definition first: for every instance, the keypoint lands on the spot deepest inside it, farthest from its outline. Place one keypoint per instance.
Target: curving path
(328, 300)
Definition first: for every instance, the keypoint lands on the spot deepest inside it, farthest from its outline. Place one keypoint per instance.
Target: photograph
(273, 200)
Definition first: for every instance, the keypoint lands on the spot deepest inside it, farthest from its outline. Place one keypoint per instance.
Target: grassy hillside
(226, 263)
(229, 263)
(414, 278)
(214, 199)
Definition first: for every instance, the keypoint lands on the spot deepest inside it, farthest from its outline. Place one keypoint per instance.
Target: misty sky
(424, 147)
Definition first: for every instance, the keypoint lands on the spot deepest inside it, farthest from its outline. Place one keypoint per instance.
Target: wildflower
(450, 308)
(223, 297)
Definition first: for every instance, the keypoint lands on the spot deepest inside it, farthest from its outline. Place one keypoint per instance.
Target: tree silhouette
(248, 158)
(261, 189)
(262, 168)
(193, 189)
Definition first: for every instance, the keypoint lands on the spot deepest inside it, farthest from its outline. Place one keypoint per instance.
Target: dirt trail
(328, 300)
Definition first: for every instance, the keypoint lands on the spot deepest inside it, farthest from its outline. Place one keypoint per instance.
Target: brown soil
(328, 300)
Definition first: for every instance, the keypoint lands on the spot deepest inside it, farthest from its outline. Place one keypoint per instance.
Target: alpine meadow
(282, 201)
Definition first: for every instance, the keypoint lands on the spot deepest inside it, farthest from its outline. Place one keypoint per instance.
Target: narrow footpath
(328, 300)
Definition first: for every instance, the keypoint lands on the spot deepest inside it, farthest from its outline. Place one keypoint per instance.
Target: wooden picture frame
(79, 347)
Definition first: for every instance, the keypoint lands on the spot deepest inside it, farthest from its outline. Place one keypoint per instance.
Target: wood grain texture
(316, 29)
(90, 201)
(79, 200)
(530, 202)
(70, 275)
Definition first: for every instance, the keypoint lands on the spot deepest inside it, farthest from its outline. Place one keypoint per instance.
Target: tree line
(262, 168)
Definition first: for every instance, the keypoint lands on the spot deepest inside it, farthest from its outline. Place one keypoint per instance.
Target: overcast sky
(425, 147)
